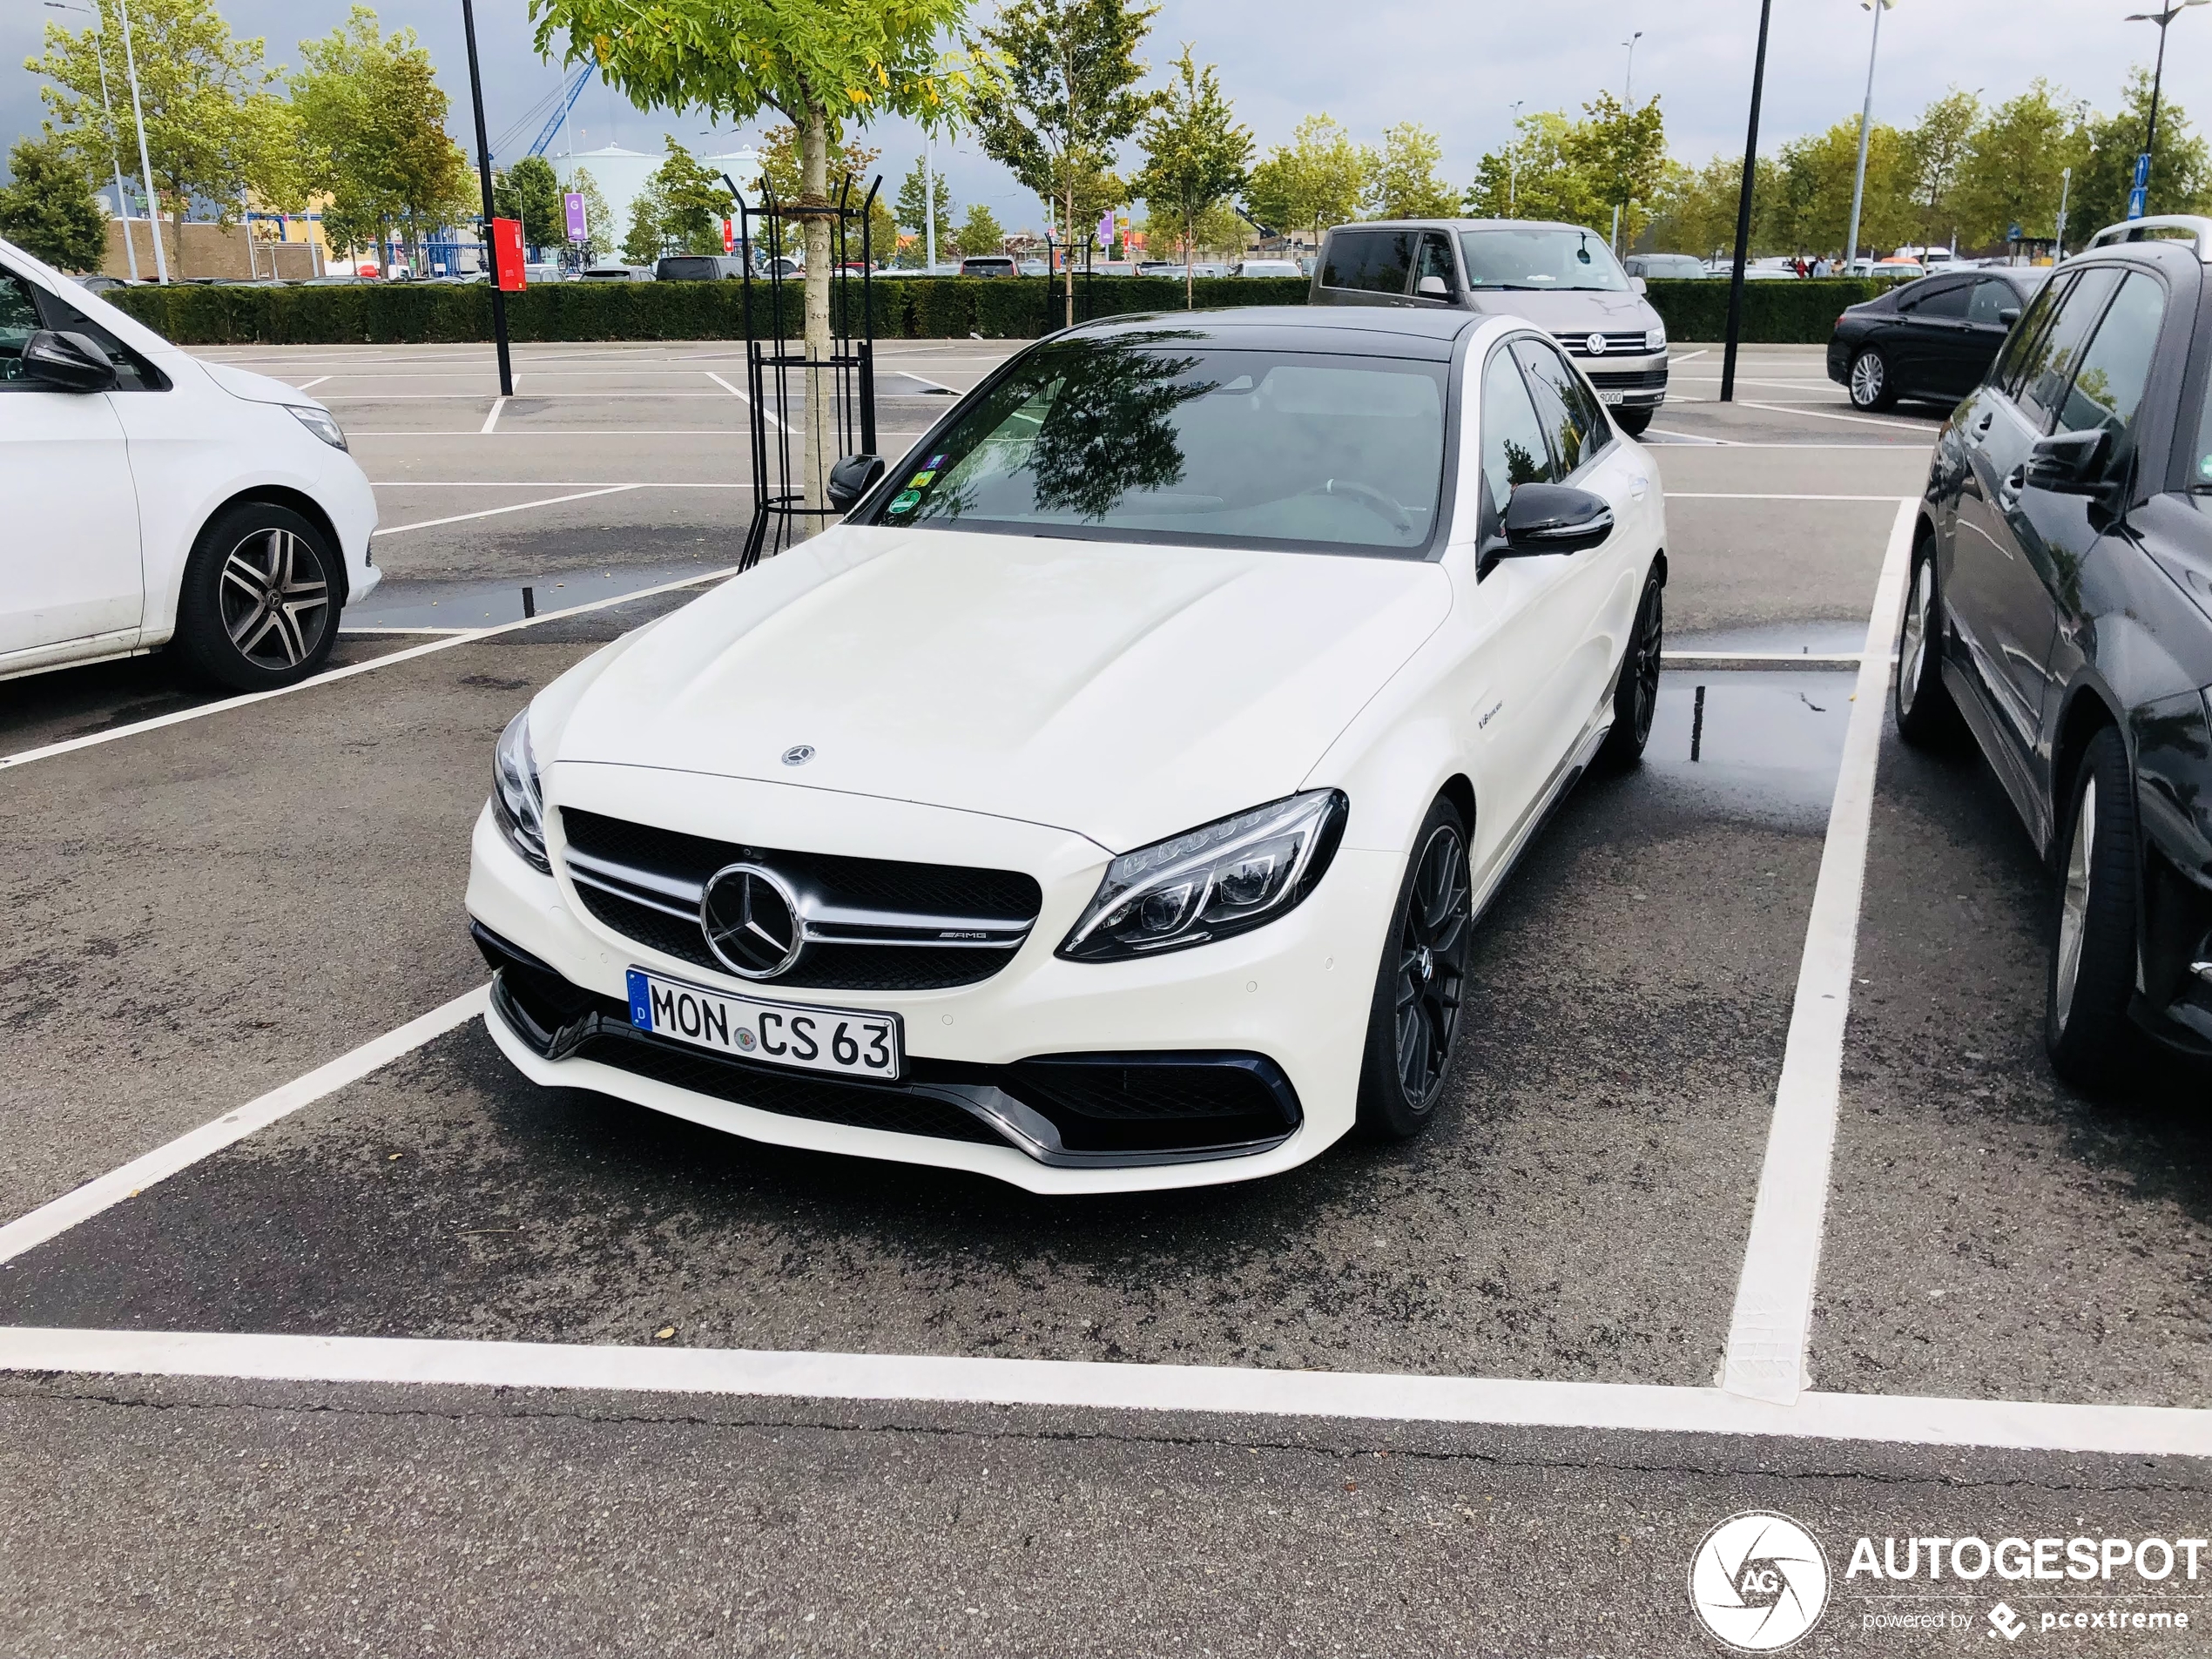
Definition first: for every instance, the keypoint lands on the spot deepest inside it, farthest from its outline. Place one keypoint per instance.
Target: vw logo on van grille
(1594, 345)
(750, 921)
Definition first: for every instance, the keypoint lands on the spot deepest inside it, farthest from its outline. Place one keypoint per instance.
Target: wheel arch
(2086, 713)
(1460, 791)
(292, 501)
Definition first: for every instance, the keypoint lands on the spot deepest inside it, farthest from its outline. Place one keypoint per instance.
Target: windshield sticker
(904, 502)
(920, 480)
(936, 460)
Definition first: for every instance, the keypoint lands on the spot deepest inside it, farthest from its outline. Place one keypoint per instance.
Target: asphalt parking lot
(211, 901)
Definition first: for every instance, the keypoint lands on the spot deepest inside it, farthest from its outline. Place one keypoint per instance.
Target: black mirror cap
(2070, 464)
(72, 361)
(1556, 518)
(852, 478)
(2008, 315)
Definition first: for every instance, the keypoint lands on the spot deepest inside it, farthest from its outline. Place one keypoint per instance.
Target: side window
(18, 323)
(2108, 387)
(1370, 261)
(1934, 300)
(132, 372)
(1436, 261)
(1559, 404)
(2048, 370)
(1992, 298)
(2011, 366)
(1513, 451)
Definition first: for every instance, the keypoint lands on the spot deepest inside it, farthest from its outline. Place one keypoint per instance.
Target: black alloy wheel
(1925, 714)
(259, 607)
(1635, 693)
(1872, 386)
(1420, 991)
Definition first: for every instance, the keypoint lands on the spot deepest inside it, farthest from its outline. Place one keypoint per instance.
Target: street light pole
(483, 177)
(1865, 123)
(1628, 81)
(2157, 77)
(1743, 213)
(1513, 161)
(115, 159)
(145, 166)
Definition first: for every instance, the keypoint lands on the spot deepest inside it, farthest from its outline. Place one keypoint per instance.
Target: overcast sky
(1455, 67)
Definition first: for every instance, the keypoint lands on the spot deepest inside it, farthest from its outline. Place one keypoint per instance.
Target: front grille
(1576, 344)
(1148, 1103)
(662, 870)
(1634, 379)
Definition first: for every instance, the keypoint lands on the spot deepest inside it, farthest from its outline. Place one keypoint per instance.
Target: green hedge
(911, 308)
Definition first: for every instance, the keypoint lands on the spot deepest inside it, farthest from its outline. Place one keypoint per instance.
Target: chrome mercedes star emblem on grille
(750, 921)
(1594, 345)
(798, 754)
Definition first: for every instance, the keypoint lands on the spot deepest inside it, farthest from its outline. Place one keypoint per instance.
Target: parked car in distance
(617, 273)
(156, 500)
(1034, 268)
(1665, 266)
(1563, 278)
(1265, 268)
(699, 267)
(2060, 602)
(545, 270)
(1159, 268)
(989, 265)
(1934, 338)
(97, 283)
(1195, 689)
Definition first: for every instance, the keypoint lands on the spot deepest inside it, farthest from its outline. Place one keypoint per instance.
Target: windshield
(1156, 437)
(1540, 259)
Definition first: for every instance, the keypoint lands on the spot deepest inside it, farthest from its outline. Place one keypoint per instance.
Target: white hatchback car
(155, 499)
(1107, 803)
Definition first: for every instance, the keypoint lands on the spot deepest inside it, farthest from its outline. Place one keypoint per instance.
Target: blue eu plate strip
(641, 1002)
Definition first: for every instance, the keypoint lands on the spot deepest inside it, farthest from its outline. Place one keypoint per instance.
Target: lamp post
(1865, 123)
(1513, 160)
(483, 177)
(145, 166)
(2158, 75)
(1628, 81)
(1744, 212)
(122, 202)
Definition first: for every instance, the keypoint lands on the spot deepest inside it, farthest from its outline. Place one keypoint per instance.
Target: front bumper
(1623, 381)
(1289, 1002)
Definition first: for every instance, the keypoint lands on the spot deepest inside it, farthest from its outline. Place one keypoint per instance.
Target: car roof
(1376, 331)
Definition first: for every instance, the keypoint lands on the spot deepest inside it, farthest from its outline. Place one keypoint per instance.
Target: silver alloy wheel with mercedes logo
(749, 917)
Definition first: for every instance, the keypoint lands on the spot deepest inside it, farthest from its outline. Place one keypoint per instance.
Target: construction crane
(561, 112)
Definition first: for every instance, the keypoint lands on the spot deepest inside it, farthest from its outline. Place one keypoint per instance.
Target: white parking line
(1723, 494)
(1928, 432)
(115, 734)
(556, 483)
(29, 1231)
(1649, 1408)
(1774, 1294)
(494, 512)
(318, 381)
(491, 421)
(766, 414)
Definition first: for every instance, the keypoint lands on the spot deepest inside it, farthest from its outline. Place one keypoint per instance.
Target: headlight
(515, 801)
(1655, 339)
(318, 422)
(1208, 883)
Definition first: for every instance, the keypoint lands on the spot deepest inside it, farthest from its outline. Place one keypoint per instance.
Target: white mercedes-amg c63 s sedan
(1106, 803)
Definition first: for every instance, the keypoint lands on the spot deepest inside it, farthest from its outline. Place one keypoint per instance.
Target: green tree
(2010, 175)
(824, 65)
(1407, 186)
(50, 210)
(1536, 176)
(851, 167)
(213, 129)
(1066, 94)
(979, 232)
(1935, 150)
(645, 239)
(1195, 154)
(1319, 178)
(1622, 153)
(1696, 211)
(694, 201)
(530, 192)
(1817, 175)
(914, 212)
(599, 217)
(2103, 152)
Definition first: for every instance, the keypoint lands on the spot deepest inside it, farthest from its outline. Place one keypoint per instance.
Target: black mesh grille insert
(878, 884)
(1100, 1104)
(1627, 380)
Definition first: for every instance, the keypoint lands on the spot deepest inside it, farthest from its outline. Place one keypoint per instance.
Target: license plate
(1611, 397)
(845, 1040)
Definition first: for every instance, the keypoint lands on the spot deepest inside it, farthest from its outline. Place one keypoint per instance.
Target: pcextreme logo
(1758, 1581)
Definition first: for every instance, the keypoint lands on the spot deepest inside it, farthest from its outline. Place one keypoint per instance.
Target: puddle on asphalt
(1805, 638)
(1761, 745)
(483, 604)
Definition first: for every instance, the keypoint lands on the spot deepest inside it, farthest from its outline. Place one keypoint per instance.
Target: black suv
(2061, 604)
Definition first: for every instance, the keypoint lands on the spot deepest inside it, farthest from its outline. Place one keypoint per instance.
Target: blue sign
(2135, 202)
(2142, 171)
(2012, 232)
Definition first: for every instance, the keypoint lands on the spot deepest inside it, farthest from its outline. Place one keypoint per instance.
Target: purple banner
(578, 231)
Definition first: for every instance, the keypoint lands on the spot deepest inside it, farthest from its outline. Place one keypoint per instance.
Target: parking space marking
(517, 506)
(1928, 432)
(1725, 495)
(491, 421)
(766, 414)
(113, 734)
(1106, 1386)
(49, 1220)
(318, 381)
(1772, 1319)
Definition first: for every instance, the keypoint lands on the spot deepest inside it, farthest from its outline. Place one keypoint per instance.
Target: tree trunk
(1190, 254)
(819, 445)
(176, 223)
(1068, 244)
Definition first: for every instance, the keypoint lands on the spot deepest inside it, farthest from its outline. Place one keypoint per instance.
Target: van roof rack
(2159, 227)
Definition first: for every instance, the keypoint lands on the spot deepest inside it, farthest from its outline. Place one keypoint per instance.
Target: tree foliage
(1195, 153)
(979, 232)
(50, 209)
(913, 212)
(599, 217)
(1534, 176)
(530, 191)
(1317, 179)
(2102, 152)
(1408, 185)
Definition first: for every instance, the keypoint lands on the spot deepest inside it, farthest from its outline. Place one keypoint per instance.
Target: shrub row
(934, 308)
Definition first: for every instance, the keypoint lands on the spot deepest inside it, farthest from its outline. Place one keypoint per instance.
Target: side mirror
(1433, 287)
(67, 361)
(852, 478)
(1635, 285)
(2069, 463)
(1554, 518)
(2009, 315)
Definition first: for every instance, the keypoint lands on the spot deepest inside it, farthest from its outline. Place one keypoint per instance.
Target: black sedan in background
(1934, 338)
(2060, 603)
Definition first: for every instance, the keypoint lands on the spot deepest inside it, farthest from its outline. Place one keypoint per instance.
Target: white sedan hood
(1122, 692)
(244, 383)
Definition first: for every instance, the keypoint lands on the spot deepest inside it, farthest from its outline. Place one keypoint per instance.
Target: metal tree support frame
(778, 496)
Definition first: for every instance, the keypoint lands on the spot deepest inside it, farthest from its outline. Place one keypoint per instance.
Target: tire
(2085, 1027)
(1872, 387)
(1927, 716)
(1413, 1025)
(1635, 692)
(259, 606)
(1632, 422)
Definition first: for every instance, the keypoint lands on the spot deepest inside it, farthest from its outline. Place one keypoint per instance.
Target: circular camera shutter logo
(750, 921)
(1758, 1581)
